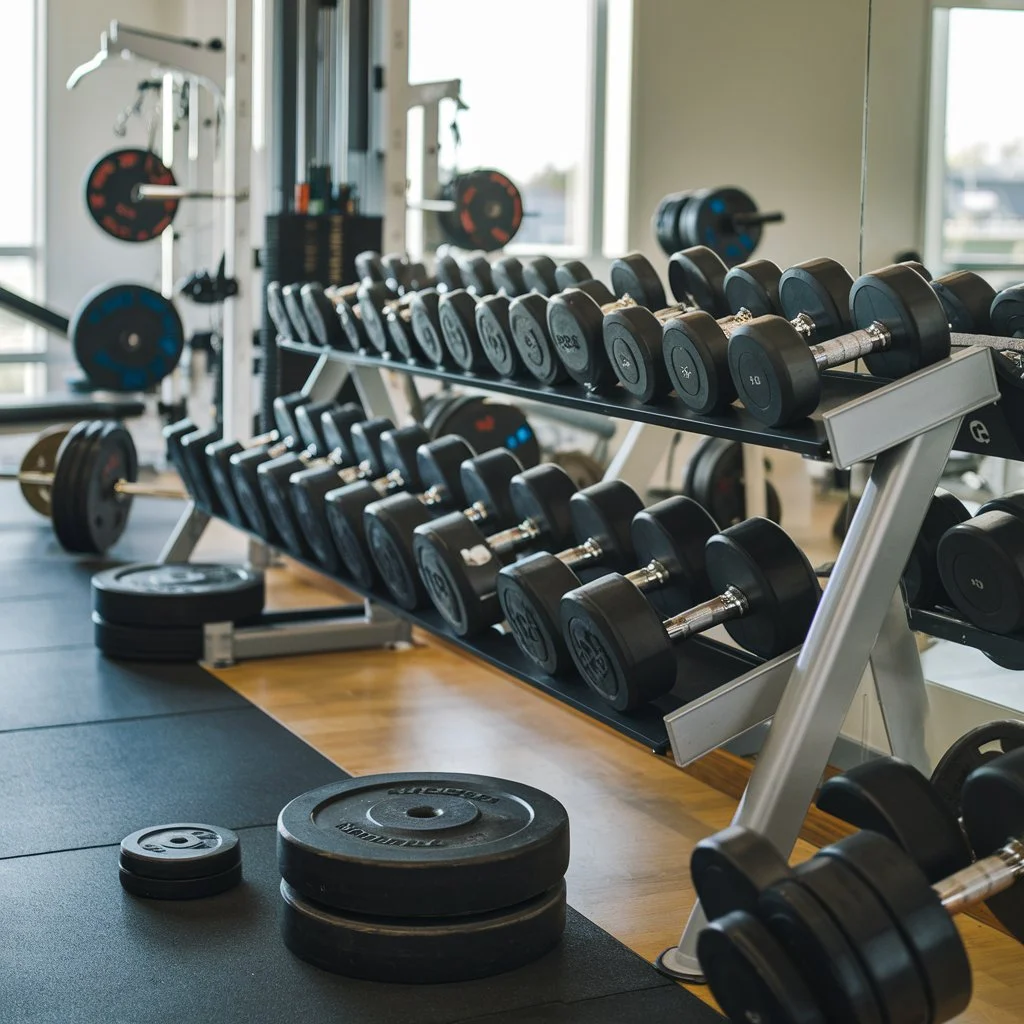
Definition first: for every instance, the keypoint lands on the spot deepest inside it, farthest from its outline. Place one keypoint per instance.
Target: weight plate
(73, 459)
(967, 299)
(423, 844)
(343, 508)
(180, 851)
(486, 424)
(456, 313)
(697, 275)
(110, 200)
(1007, 312)
(732, 868)
(424, 951)
(527, 317)
(666, 221)
(583, 469)
(921, 581)
(322, 317)
(972, 750)
(41, 458)
(180, 888)
(696, 359)
(708, 219)
(488, 210)
(571, 274)
(218, 456)
(635, 276)
(135, 643)
(753, 286)
(818, 289)
(126, 337)
(633, 345)
(495, 334)
(389, 526)
(714, 479)
(193, 454)
(186, 594)
(541, 275)
(751, 976)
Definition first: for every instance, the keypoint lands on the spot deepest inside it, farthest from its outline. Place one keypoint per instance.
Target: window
(530, 84)
(19, 199)
(976, 173)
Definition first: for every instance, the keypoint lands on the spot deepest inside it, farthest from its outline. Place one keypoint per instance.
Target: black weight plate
(439, 465)
(178, 594)
(180, 888)
(697, 276)
(696, 354)
(495, 335)
(889, 796)
(828, 963)
(542, 495)
(336, 426)
(758, 558)
(485, 424)
(278, 313)
(350, 316)
(707, 219)
(193, 454)
(310, 425)
(635, 276)
(751, 976)
(153, 643)
(309, 488)
(753, 286)
(507, 276)
(102, 510)
(489, 209)
(666, 221)
(344, 509)
(373, 298)
(993, 806)
(244, 469)
(399, 452)
(967, 299)
(74, 462)
(273, 479)
(974, 749)
(921, 581)
(322, 317)
(389, 525)
(819, 289)
(399, 324)
(530, 593)
(541, 275)
(871, 930)
(571, 273)
(126, 337)
(173, 434)
(180, 851)
(291, 296)
(448, 273)
(218, 456)
(1007, 312)
(457, 312)
(109, 197)
(575, 322)
(633, 344)
(430, 844)
(918, 914)
(426, 950)
(904, 303)
(284, 407)
(485, 483)
(604, 513)
(527, 318)
(426, 327)
(732, 868)
(714, 478)
(368, 266)
(366, 443)
(476, 272)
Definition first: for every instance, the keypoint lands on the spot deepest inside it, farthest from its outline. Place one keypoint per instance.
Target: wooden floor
(634, 816)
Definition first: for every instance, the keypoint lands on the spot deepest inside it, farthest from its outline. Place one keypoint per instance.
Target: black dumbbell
(539, 351)
(902, 327)
(1007, 312)
(459, 563)
(766, 594)
(922, 585)
(409, 454)
(576, 320)
(981, 565)
(667, 540)
(389, 524)
(475, 329)
(633, 338)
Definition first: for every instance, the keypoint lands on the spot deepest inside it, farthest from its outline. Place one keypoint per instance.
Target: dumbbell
(458, 563)
(922, 585)
(475, 329)
(667, 540)
(981, 565)
(407, 452)
(766, 594)
(1007, 312)
(901, 327)
(632, 338)
(90, 486)
(390, 524)
(860, 932)
(540, 352)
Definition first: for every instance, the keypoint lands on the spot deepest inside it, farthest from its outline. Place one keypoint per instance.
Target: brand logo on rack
(979, 432)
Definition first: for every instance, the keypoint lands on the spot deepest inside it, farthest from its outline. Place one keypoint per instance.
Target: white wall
(767, 96)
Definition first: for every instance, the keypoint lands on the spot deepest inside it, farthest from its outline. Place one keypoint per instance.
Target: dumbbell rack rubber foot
(909, 427)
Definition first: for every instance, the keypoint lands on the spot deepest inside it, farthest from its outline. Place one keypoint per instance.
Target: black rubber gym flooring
(91, 750)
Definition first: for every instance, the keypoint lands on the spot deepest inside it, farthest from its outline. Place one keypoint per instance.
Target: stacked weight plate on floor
(183, 861)
(146, 612)
(422, 877)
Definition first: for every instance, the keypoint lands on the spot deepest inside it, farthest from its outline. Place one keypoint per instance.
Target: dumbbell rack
(908, 428)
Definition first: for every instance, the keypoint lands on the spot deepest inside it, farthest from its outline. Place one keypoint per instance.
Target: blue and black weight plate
(126, 337)
(110, 195)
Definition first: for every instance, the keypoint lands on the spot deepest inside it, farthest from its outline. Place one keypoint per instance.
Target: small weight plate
(603, 513)
(177, 594)
(427, 950)
(696, 354)
(633, 344)
(921, 581)
(366, 443)
(432, 844)
(41, 458)
(542, 495)
(697, 275)
(173, 434)
(439, 465)
(541, 275)
(110, 200)
(759, 559)
(527, 318)
(891, 797)
(708, 219)
(180, 888)
(101, 511)
(753, 286)
(819, 289)
(153, 643)
(495, 334)
(904, 303)
(751, 976)
(126, 337)
(1007, 312)
(665, 223)
(399, 453)
(389, 525)
(732, 868)
(310, 425)
(975, 748)
(635, 276)
(180, 851)
(336, 426)
(967, 299)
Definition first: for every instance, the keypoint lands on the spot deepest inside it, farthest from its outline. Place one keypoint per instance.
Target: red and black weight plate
(488, 210)
(109, 195)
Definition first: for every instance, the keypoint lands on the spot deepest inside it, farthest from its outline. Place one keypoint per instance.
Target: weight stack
(304, 247)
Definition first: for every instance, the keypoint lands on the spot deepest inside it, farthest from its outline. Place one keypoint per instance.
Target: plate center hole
(178, 840)
(424, 812)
